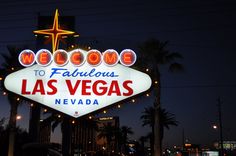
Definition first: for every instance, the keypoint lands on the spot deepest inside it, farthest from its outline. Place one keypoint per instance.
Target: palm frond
(166, 119)
(154, 53)
(176, 67)
(172, 56)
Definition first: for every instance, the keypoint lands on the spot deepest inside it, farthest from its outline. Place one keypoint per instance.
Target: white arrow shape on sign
(77, 91)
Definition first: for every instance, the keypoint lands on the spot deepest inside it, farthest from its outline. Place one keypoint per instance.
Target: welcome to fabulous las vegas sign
(77, 82)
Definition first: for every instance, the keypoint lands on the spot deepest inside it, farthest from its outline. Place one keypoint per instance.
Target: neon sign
(55, 32)
(94, 57)
(77, 90)
(76, 82)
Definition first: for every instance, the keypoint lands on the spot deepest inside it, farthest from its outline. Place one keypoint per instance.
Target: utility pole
(183, 139)
(220, 126)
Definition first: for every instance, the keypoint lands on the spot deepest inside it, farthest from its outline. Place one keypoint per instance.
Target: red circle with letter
(127, 57)
(60, 57)
(26, 58)
(110, 57)
(77, 57)
(43, 57)
(94, 57)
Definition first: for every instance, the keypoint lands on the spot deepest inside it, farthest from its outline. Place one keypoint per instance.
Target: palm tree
(66, 128)
(125, 131)
(34, 122)
(108, 132)
(54, 120)
(148, 119)
(9, 65)
(166, 120)
(154, 55)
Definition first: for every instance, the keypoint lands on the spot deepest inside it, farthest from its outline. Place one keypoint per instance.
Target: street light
(18, 117)
(12, 136)
(220, 142)
(214, 127)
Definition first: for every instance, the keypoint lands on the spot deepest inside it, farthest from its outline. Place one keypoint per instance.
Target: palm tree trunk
(157, 138)
(162, 136)
(11, 143)
(151, 137)
(34, 128)
(66, 136)
(157, 125)
(12, 127)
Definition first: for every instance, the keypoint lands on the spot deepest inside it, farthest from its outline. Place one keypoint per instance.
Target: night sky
(203, 32)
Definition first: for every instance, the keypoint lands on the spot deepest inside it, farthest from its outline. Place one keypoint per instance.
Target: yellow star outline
(55, 32)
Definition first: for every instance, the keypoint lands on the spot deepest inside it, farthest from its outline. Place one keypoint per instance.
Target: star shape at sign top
(55, 32)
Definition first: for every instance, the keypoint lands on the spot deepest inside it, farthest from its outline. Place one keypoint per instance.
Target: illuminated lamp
(18, 117)
(77, 35)
(188, 145)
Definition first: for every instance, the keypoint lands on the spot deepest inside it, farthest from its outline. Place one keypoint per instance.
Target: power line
(201, 86)
(120, 6)
(112, 12)
(36, 3)
(223, 27)
(113, 37)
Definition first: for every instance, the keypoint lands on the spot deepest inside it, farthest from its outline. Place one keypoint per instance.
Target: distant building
(84, 135)
(227, 145)
(103, 121)
(191, 149)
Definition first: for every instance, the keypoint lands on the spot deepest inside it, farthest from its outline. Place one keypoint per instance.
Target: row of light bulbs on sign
(90, 117)
(73, 121)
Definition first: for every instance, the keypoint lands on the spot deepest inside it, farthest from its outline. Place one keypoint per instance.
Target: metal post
(220, 127)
